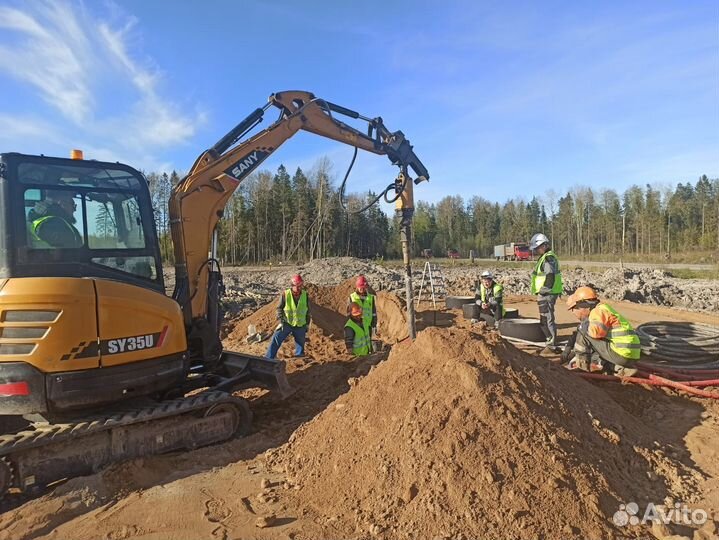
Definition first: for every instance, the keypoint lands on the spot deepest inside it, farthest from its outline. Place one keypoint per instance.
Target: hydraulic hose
(692, 389)
(389, 199)
(679, 346)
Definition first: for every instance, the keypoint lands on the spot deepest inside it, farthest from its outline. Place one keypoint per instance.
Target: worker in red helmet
(604, 337)
(366, 301)
(293, 313)
(358, 334)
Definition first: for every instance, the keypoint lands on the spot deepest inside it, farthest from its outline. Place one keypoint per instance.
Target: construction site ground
(458, 434)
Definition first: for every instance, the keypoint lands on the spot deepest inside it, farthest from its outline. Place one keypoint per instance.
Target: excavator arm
(198, 200)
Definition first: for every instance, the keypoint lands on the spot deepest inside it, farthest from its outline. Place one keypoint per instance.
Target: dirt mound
(463, 436)
(391, 318)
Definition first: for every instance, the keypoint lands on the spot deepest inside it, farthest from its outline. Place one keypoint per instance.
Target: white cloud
(50, 58)
(100, 89)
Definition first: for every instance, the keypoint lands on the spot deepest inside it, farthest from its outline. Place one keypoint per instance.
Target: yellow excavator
(97, 363)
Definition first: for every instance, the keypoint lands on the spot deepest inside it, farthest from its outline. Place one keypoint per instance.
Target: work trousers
(298, 332)
(547, 320)
(588, 349)
(487, 317)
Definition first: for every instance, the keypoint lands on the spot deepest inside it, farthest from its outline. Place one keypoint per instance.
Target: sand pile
(464, 436)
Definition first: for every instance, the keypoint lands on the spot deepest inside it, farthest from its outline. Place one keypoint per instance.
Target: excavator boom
(198, 200)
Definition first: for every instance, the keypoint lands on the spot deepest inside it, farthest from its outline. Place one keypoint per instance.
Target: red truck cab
(452, 254)
(522, 252)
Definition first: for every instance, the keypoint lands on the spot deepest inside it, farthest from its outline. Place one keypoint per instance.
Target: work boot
(580, 362)
(621, 371)
(550, 346)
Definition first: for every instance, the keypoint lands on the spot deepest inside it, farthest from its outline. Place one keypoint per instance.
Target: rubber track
(58, 433)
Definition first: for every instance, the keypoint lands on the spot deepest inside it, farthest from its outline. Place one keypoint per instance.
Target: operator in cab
(51, 222)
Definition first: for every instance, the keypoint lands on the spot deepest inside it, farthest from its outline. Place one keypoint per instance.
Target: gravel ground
(248, 288)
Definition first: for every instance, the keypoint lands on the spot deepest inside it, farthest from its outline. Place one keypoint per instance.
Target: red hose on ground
(707, 382)
(655, 380)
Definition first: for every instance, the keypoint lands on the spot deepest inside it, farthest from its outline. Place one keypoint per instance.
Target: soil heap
(461, 435)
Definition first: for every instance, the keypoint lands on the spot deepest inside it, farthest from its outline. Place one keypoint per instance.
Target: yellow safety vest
(37, 242)
(295, 314)
(623, 340)
(539, 277)
(496, 290)
(366, 305)
(362, 344)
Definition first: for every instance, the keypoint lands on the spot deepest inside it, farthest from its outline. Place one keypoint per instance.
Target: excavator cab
(75, 218)
(81, 288)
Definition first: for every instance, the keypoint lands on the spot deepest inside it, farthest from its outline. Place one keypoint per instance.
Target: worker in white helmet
(547, 285)
(488, 296)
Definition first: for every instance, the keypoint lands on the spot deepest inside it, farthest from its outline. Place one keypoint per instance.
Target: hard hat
(537, 240)
(297, 280)
(355, 309)
(486, 275)
(582, 294)
(361, 282)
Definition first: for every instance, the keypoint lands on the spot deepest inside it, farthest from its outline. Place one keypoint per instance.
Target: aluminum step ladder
(432, 284)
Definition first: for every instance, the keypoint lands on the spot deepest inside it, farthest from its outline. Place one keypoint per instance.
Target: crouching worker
(358, 337)
(366, 300)
(604, 337)
(489, 298)
(293, 312)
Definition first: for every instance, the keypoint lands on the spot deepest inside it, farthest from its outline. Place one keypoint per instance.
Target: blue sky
(500, 99)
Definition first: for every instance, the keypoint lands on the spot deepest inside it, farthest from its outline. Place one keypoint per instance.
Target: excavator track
(35, 458)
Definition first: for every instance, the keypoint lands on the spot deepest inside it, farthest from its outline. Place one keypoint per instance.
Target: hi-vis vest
(295, 314)
(497, 290)
(362, 344)
(37, 242)
(366, 306)
(623, 340)
(538, 276)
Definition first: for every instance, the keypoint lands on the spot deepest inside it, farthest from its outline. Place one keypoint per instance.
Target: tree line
(299, 217)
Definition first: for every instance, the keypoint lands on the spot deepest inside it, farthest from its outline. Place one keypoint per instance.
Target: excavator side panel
(47, 326)
(137, 324)
(50, 323)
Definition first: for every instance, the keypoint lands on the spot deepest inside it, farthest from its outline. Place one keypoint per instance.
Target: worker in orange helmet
(293, 313)
(366, 301)
(358, 336)
(604, 337)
